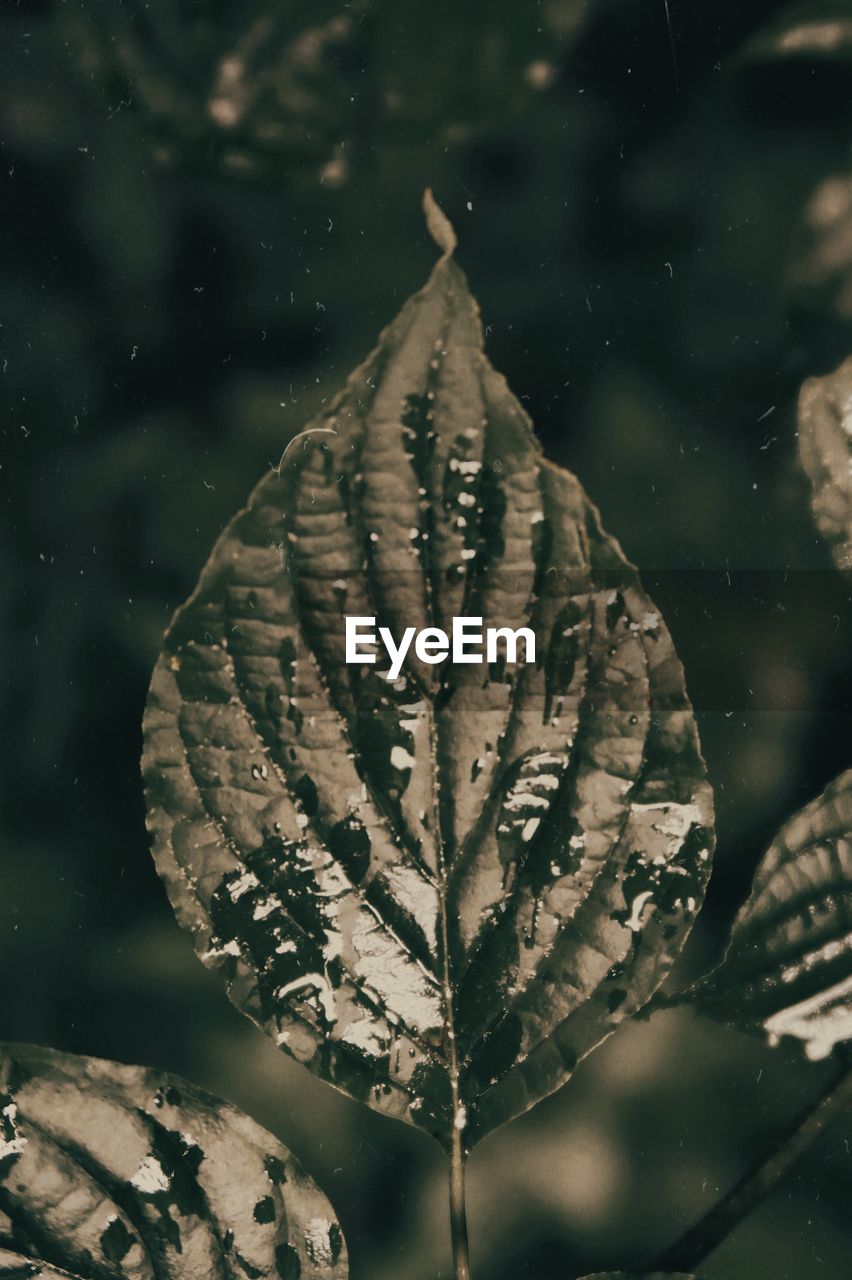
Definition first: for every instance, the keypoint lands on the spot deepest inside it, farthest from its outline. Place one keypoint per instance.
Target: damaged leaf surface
(109, 1172)
(788, 970)
(825, 448)
(438, 893)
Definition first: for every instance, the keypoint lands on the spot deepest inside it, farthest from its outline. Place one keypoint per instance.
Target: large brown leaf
(438, 892)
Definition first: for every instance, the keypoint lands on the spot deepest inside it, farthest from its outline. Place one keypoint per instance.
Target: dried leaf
(439, 892)
(110, 1172)
(825, 447)
(788, 970)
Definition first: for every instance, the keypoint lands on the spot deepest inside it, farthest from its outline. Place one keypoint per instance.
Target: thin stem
(458, 1209)
(458, 1212)
(705, 1236)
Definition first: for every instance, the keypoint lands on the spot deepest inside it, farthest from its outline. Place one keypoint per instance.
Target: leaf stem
(458, 1211)
(695, 1245)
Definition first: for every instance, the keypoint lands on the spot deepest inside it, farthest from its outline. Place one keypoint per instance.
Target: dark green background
(175, 302)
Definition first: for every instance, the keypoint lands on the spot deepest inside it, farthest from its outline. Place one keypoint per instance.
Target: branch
(708, 1234)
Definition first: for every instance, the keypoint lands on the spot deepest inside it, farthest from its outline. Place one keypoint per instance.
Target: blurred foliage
(806, 29)
(304, 89)
(634, 200)
(825, 450)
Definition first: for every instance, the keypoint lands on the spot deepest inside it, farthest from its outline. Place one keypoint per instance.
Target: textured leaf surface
(438, 893)
(788, 969)
(825, 447)
(109, 1172)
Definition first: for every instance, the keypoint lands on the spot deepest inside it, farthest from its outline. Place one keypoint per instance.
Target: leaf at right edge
(788, 968)
(114, 1172)
(313, 822)
(825, 448)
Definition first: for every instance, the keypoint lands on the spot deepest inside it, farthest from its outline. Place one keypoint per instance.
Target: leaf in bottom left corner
(110, 1172)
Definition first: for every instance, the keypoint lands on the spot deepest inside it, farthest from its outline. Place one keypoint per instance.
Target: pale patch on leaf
(109, 1170)
(440, 892)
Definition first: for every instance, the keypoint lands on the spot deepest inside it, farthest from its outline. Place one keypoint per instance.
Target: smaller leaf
(825, 448)
(788, 969)
(626, 1275)
(109, 1172)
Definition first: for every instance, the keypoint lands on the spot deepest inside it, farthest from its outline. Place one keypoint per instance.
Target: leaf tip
(439, 226)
